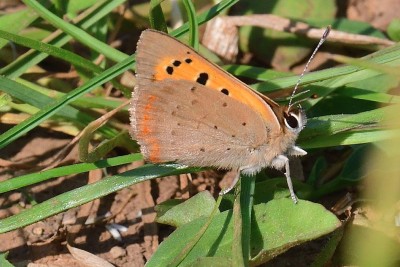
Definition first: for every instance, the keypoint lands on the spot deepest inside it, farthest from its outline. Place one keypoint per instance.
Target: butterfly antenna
(321, 41)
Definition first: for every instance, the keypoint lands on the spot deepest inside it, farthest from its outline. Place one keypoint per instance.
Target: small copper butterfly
(187, 110)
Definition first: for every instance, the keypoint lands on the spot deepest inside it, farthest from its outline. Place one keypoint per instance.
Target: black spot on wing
(203, 78)
(176, 63)
(170, 70)
(225, 91)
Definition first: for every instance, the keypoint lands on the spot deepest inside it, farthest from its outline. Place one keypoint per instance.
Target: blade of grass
(33, 178)
(242, 212)
(238, 256)
(87, 193)
(247, 186)
(325, 129)
(60, 53)
(76, 32)
(389, 56)
(334, 77)
(15, 22)
(351, 138)
(256, 73)
(193, 24)
(366, 64)
(24, 127)
(83, 102)
(205, 16)
(85, 20)
(156, 16)
(357, 93)
(52, 50)
(39, 100)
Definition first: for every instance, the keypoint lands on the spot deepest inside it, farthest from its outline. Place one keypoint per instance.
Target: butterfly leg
(234, 182)
(280, 162)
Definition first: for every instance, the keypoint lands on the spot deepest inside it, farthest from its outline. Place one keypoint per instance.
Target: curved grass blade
(205, 16)
(156, 16)
(76, 32)
(88, 193)
(193, 25)
(85, 20)
(34, 178)
(27, 125)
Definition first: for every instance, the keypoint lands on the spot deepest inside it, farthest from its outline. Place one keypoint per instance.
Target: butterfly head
(294, 119)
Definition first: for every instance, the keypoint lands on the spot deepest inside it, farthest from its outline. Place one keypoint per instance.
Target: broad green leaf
(277, 226)
(200, 205)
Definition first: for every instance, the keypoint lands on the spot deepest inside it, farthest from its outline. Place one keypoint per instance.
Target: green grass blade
(27, 125)
(238, 255)
(205, 16)
(247, 185)
(76, 32)
(85, 20)
(335, 130)
(242, 216)
(31, 179)
(156, 16)
(193, 24)
(60, 53)
(352, 138)
(52, 50)
(87, 193)
(334, 77)
(39, 100)
(15, 22)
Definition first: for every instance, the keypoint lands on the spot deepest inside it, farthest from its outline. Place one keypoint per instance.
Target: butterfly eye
(291, 121)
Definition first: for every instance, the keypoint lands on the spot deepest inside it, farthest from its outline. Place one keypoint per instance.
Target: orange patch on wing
(146, 128)
(217, 80)
(149, 105)
(153, 148)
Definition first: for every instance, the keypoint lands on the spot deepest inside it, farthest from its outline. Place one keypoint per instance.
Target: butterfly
(187, 110)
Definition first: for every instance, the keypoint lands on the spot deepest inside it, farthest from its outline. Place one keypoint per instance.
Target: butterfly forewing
(183, 121)
(161, 57)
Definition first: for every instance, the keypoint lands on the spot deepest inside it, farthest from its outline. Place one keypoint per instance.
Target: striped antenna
(321, 41)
